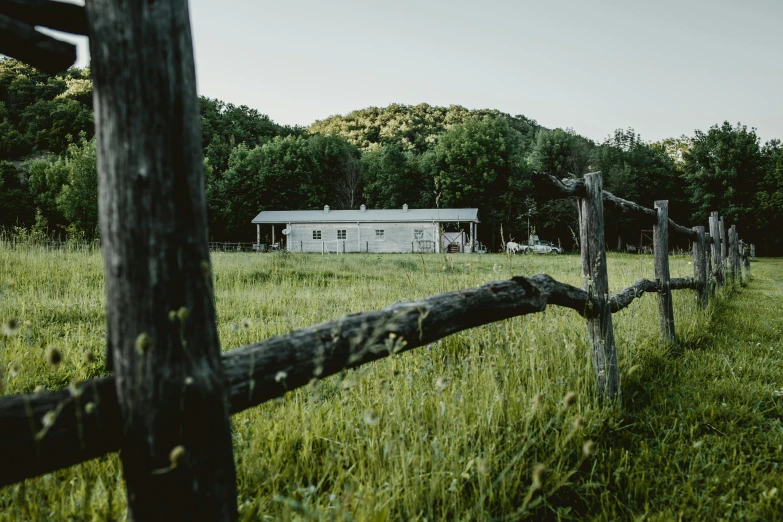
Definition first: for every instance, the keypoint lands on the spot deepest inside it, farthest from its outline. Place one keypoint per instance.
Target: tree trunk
(161, 331)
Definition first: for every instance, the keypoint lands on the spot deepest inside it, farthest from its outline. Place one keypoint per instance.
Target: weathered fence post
(700, 264)
(741, 258)
(715, 248)
(661, 253)
(595, 280)
(162, 336)
(733, 251)
(708, 261)
(724, 250)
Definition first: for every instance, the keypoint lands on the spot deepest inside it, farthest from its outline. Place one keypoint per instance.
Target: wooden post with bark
(724, 248)
(736, 254)
(176, 448)
(708, 262)
(700, 264)
(732, 254)
(661, 253)
(595, 281)
(715, 248)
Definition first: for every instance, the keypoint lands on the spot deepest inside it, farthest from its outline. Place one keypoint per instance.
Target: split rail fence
(40, 443)
(166, 404)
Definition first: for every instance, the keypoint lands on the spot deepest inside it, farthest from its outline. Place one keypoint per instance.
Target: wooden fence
(253, 372)
(167, 402)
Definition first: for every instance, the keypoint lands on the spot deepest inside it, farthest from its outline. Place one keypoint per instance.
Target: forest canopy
(384, 157)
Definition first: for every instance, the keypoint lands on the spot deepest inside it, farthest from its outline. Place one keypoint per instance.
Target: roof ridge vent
(326, 209)
(362, 208)
(405, 207)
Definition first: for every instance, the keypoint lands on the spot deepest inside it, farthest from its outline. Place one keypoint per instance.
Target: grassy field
(471, 428)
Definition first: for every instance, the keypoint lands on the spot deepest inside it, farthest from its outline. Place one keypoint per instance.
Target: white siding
(397, 237)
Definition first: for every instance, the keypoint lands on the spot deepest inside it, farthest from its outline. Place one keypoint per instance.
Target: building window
(341, 234)
(316, 234)
(418, 234)
(379, 234)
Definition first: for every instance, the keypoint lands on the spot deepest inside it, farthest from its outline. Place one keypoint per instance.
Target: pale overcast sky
(664, 67)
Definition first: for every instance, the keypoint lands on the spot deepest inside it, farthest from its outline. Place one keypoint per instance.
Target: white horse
(513, 248)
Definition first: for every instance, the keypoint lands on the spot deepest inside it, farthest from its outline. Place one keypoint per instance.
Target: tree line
(422, 155)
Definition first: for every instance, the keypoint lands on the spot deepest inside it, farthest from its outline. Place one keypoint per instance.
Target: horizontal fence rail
(50, 430)
(547, 184)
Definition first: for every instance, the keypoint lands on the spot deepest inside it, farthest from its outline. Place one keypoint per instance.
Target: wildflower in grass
(89, 408)
(39, 389)
(14, 369)
(371, 418)
(569, 400)
(74, 390)
(441, 383)
(142, 343)
(176, 456)
(48, 419)
(11, 326)
(579, 423)
(482, 466)
(182, 314)
(246, 323)
(281, 376)
(188, 380)
(588, 448)
(89, 357)
(539, 475)
(54, 356)
(536, 402)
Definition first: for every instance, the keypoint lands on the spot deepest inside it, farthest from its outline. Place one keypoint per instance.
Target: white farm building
(366, 230)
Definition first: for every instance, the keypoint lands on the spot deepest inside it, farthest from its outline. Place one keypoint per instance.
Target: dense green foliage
(419, 155)
(452, 431)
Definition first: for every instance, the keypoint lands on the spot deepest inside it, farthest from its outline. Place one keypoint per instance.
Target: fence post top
(661, 203)
(699, 229)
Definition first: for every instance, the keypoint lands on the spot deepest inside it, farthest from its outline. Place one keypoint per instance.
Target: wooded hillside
(421, 155)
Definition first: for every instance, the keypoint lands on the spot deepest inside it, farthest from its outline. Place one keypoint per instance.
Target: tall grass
(474, 427)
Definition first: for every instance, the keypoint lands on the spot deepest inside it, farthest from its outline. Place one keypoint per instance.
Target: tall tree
(564, 154)
(78, 197)
(393, 178)
(480, 163)
(769, 199)
(16, 207)
(722, 169)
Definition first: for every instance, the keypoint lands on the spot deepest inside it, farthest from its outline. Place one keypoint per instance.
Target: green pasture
(474, 427)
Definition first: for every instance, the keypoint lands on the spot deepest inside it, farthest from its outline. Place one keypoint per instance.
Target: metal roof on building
(387, 215)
